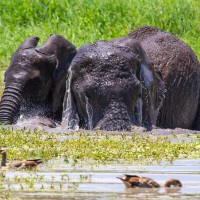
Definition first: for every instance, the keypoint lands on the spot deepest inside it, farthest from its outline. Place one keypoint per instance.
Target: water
(59, 180)
(69, 114)
(89, 113)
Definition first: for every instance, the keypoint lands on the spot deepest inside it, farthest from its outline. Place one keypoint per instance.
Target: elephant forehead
(106, 85)
(28, 59)
(24, 57)
(102, 50)
(102, 59)
(104, 78)
(114, 68)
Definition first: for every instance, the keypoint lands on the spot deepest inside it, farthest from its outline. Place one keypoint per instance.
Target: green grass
(98, 147)
(85, 21)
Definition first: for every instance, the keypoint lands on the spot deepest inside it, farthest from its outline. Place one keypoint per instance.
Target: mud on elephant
(146, 78)
(35, 80)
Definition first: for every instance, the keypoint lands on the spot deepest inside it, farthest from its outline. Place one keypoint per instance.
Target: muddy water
(59, 180)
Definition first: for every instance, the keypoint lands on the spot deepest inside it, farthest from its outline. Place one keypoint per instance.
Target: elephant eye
(35, 83)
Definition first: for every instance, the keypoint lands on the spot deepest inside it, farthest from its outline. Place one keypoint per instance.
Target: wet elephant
(146, 78)
(35, 80)
(112, 86)
(180, 69)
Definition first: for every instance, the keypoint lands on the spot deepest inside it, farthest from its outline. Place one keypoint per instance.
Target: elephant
(35, 80)
(147, 78)
(180, 69)
(112, 86)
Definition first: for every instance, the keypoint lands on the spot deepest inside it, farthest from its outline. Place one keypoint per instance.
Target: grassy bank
(85, 21)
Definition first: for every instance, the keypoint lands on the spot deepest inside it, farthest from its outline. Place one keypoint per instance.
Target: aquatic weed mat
(98, 147)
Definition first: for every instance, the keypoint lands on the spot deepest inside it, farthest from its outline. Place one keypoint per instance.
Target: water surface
(60, 180)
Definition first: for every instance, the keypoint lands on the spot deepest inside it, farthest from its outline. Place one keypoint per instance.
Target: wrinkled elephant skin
(112, 86)
(181, 72)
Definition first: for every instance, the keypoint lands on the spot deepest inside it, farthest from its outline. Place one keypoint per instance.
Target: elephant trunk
(9, 104)
(116, 118)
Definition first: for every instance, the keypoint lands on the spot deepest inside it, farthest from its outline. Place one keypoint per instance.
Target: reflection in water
(172, 190)
(58, 179)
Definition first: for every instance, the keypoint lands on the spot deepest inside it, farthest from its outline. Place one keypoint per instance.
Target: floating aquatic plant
(98, 147)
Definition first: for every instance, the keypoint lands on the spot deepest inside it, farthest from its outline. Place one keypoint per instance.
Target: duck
(132, 181)
(18, 164)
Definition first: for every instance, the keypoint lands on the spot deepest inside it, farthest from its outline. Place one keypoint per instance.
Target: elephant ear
(64, 56)
(63, 52)
(153, 93)
(152, 82)
(29, 43)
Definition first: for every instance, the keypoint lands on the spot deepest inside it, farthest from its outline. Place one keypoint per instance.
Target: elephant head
(112, 86)
(35, 79)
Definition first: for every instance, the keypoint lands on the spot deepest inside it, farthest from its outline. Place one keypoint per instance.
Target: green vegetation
(98, 147)
(34, 182)
(85, 21)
